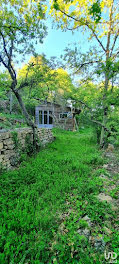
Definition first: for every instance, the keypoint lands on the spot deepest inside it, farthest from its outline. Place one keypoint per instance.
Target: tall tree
(45, 79)
(20, 26)
(101, 20)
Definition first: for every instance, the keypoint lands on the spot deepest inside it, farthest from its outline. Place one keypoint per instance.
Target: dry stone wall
(8, 149)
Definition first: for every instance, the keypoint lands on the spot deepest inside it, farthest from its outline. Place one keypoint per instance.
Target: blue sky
(56, 41)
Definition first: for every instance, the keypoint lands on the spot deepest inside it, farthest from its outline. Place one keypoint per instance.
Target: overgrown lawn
(41, 203)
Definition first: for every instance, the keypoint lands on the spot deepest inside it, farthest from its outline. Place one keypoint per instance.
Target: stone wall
(8, 149)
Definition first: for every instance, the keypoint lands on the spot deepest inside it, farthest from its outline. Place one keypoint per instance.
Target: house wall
(8, 150)
(67, 123)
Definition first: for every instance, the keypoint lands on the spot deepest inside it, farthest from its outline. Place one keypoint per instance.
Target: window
(63, 115)
(45, 118)
(50, 117)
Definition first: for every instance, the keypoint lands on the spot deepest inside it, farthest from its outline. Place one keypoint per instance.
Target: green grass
(35, 198)
(9, 121)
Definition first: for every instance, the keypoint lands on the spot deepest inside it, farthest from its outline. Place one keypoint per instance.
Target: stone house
(49, 115)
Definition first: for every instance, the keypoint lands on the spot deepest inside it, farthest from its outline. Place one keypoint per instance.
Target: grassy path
(44, 205)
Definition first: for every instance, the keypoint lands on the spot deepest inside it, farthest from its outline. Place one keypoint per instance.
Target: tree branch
(1, 60)
(10, 52)
(79, 101)
(4, 45)
(11, 28)
(86, 63)
(95, 36)
(9, 66)
(22, 85)
(115, 39)
(71, 29)
(100, 124)
(86, 24)
(95, 121)
(25, 83)
(109, 31)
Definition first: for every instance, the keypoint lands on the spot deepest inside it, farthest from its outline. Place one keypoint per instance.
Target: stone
(8, 153)
(8, 142)
(99, 244)
(110, 148)
(88, 220)
(115, 208)
(102, 176)
(105, 166)
(1, 145)
(84, 232)
(104, 197)
(1, 158)
(61, 228)
(9, 147)
(4, 135)
(107, 230)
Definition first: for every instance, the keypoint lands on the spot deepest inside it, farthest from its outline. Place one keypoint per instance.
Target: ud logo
(111, 256)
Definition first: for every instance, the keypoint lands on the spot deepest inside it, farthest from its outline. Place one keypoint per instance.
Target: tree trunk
(12, 73)
(102, 140)
(11, 102)
(28, 119)
(105, 112)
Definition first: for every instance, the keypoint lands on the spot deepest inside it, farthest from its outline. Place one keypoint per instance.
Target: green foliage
(4, 84)
(45, 79)
(111, 68)
(22, 153)
(11, 121)
(2, 168)
(95, 11)
(19, 25)
(29, 148)
(56, 5)
(30, 106)
(15, 140)
(34, 197)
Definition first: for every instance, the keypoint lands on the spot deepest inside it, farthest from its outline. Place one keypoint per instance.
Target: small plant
(15, 140)
(2, 168)
(29, 145)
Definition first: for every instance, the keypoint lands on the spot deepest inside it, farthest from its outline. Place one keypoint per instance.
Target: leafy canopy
(21, 23)
(45, 80)
(98, 18)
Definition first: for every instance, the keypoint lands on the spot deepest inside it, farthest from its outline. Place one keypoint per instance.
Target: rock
(1, 145)
(84, 232)
(1, 158)
(4, 135)
(88, 220)
(7, 147)
(110, 148)
(109, 155)
(105, 166)
(8, 142)
(102, 176)
(99, 244)
(115, 208)
(107, 230)
(111, 164)
(104, 197)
